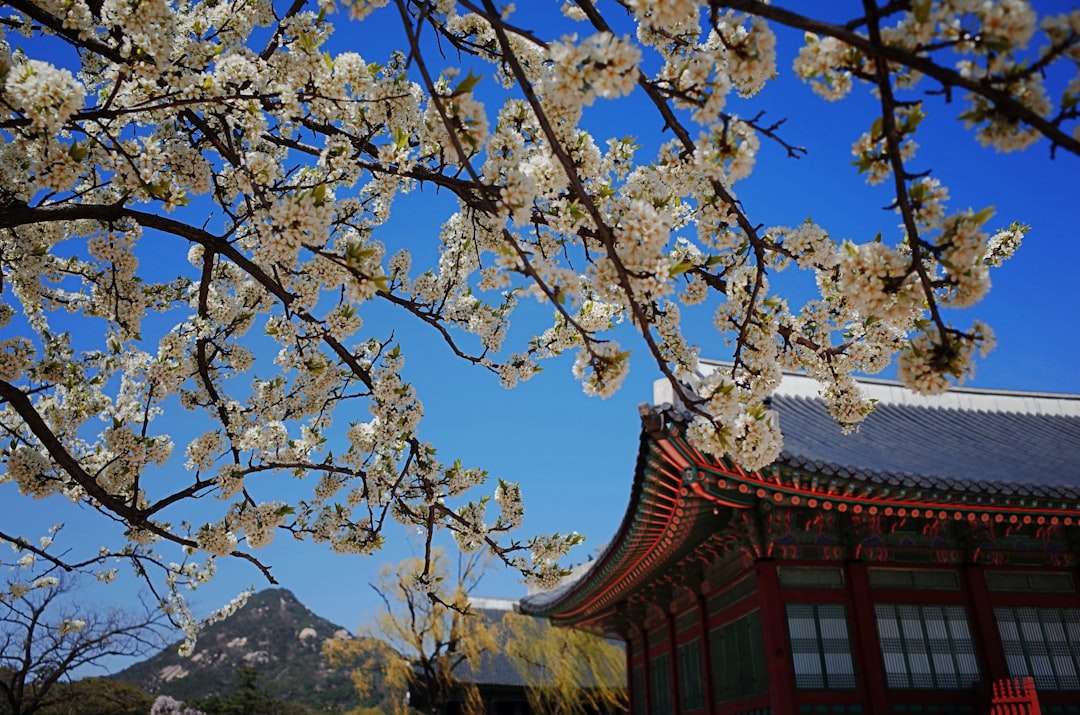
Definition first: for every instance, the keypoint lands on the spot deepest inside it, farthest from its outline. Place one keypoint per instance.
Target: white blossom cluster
(44, 94)
(71, 625)
(168, 705)
(205, 196)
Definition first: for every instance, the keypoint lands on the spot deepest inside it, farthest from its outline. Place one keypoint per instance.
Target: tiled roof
(937, 447)
(967, 439)
(495, 669)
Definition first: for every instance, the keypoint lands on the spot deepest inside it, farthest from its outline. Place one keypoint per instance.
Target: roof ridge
(969, 399)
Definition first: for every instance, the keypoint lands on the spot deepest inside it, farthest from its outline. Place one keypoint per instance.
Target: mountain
(273, 633)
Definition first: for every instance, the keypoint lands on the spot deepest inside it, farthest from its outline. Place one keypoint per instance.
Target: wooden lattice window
(915, 579)
(691, 696)
(810, 577)
(820, 646)
(1033, 581)
(1043, 643)
(660, 685)
(926, 647)
(738, 659)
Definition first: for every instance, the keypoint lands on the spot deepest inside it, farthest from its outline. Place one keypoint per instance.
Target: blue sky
(574, 455)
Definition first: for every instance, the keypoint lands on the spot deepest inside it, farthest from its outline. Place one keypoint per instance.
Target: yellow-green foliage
(422, 634)
(566, 671)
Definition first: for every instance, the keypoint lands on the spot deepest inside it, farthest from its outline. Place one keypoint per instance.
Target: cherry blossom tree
(237, 133)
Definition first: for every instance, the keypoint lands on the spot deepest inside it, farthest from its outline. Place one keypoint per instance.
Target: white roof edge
(888, 392)
(492, 604)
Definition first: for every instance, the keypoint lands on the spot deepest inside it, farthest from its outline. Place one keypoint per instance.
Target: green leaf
(466, 85)
(159, 189)
(913, 119)
(983, 216)
(680, 268)
(78, 151)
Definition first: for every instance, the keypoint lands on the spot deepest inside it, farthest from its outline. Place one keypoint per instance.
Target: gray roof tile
(912, 445)
(495, 669)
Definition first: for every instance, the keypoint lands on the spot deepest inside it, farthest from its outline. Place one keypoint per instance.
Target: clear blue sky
(574, 455)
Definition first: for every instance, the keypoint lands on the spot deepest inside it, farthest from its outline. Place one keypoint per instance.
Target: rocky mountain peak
(273, 633)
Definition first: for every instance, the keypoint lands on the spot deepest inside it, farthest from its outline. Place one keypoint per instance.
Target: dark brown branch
(31, 10)
(893, 146)
(881, 52)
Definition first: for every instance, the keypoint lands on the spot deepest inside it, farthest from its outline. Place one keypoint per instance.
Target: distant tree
(567, 671)
(247, 699)
(423, 635)
(379, 674)
(45, 638)
(99, 696)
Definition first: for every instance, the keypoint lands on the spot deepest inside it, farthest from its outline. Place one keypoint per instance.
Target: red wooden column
(775, 637)
(630, 671)
(866, 640)
(992, 654)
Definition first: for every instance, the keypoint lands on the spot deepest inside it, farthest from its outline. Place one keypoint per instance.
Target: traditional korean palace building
(901, 569)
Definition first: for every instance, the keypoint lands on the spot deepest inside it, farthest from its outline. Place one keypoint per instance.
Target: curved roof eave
(655, 532)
